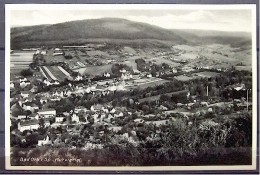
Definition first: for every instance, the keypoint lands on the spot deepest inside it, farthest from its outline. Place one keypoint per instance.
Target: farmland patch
(97, 70)
(206, 74)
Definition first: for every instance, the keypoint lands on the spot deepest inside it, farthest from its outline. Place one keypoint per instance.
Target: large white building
(59, 119)
(75, 118)
(44, 141)
(47, 113)
(28, 125)
(25, 94)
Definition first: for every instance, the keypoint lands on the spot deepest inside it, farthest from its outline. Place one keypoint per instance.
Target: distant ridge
(112, 29)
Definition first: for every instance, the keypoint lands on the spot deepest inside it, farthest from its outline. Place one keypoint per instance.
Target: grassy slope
(235, 39)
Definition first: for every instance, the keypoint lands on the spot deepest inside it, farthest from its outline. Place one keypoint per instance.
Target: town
(91, 97)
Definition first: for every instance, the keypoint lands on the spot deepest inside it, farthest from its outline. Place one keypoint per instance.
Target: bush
(26, 73)
(68, 57)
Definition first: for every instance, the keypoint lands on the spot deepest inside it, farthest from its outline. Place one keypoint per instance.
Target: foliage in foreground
(205, 143)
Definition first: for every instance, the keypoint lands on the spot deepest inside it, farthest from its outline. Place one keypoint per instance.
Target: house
(105, 110)
(47, 112)
(122, 71)
(126, 76)
(115, 128)
(174, 70)
(34, 89)
(93, 87)
(119, 115)
(95, 117)
(106, 92)
(138, 120)
(112, 88)
(204, 103)
(25, 94)
(163, 108)
(149, 116)
(78, 78)
(28, 125)
(75, 118)
(30, 106)
(107, 75)
(43, 52)
(88, 90)
(43, 140)
(67, 93)
(120, 87)
(55, 98)
(20, 102)
(187, 69)
(56, 82)
(34, 116)
(100, 88)
(102, 116)
(179, 104)
(47, 122)
(113, 111)
(80, 108)
(23, 79)
(47, 82)
(240, 87)
(58, 93)
(96, 107)
(210, 110)
(37, 51)
(27, 106)
(21, 117)
(30, 98)
(149, 76)
(11, 85)
(24, 83)
(136, 71)
(57, 51)
(190, 104)
(59, 118)
(44, 100)
(110, 116)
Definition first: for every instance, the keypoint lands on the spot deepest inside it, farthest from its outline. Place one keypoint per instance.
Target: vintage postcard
(116, 87)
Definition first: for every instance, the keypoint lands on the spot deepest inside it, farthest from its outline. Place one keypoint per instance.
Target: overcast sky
(224, 20)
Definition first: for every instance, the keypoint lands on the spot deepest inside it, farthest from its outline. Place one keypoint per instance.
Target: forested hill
(80, 32)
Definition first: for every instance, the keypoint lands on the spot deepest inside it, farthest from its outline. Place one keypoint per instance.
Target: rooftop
(29, 122)
(45, 110)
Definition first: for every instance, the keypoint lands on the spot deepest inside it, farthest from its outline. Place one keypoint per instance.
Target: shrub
(26, 73)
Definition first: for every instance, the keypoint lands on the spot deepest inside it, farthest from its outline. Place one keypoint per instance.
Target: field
(97, 70)
(20, 60)
(247, 68)
(157, 97)
(214, 55)
(206, 74)
(14, 72)
(131, 63)
(145, 83)
(54, 73)
(129, 50)
(186, 78)
(50, 58)
(57, 73)
(45, 73)
(160, 60)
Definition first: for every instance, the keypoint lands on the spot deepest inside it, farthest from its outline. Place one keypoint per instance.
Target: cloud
(226, 20)
(201, 19)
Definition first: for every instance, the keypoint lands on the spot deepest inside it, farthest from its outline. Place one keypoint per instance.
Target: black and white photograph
(130, 87)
